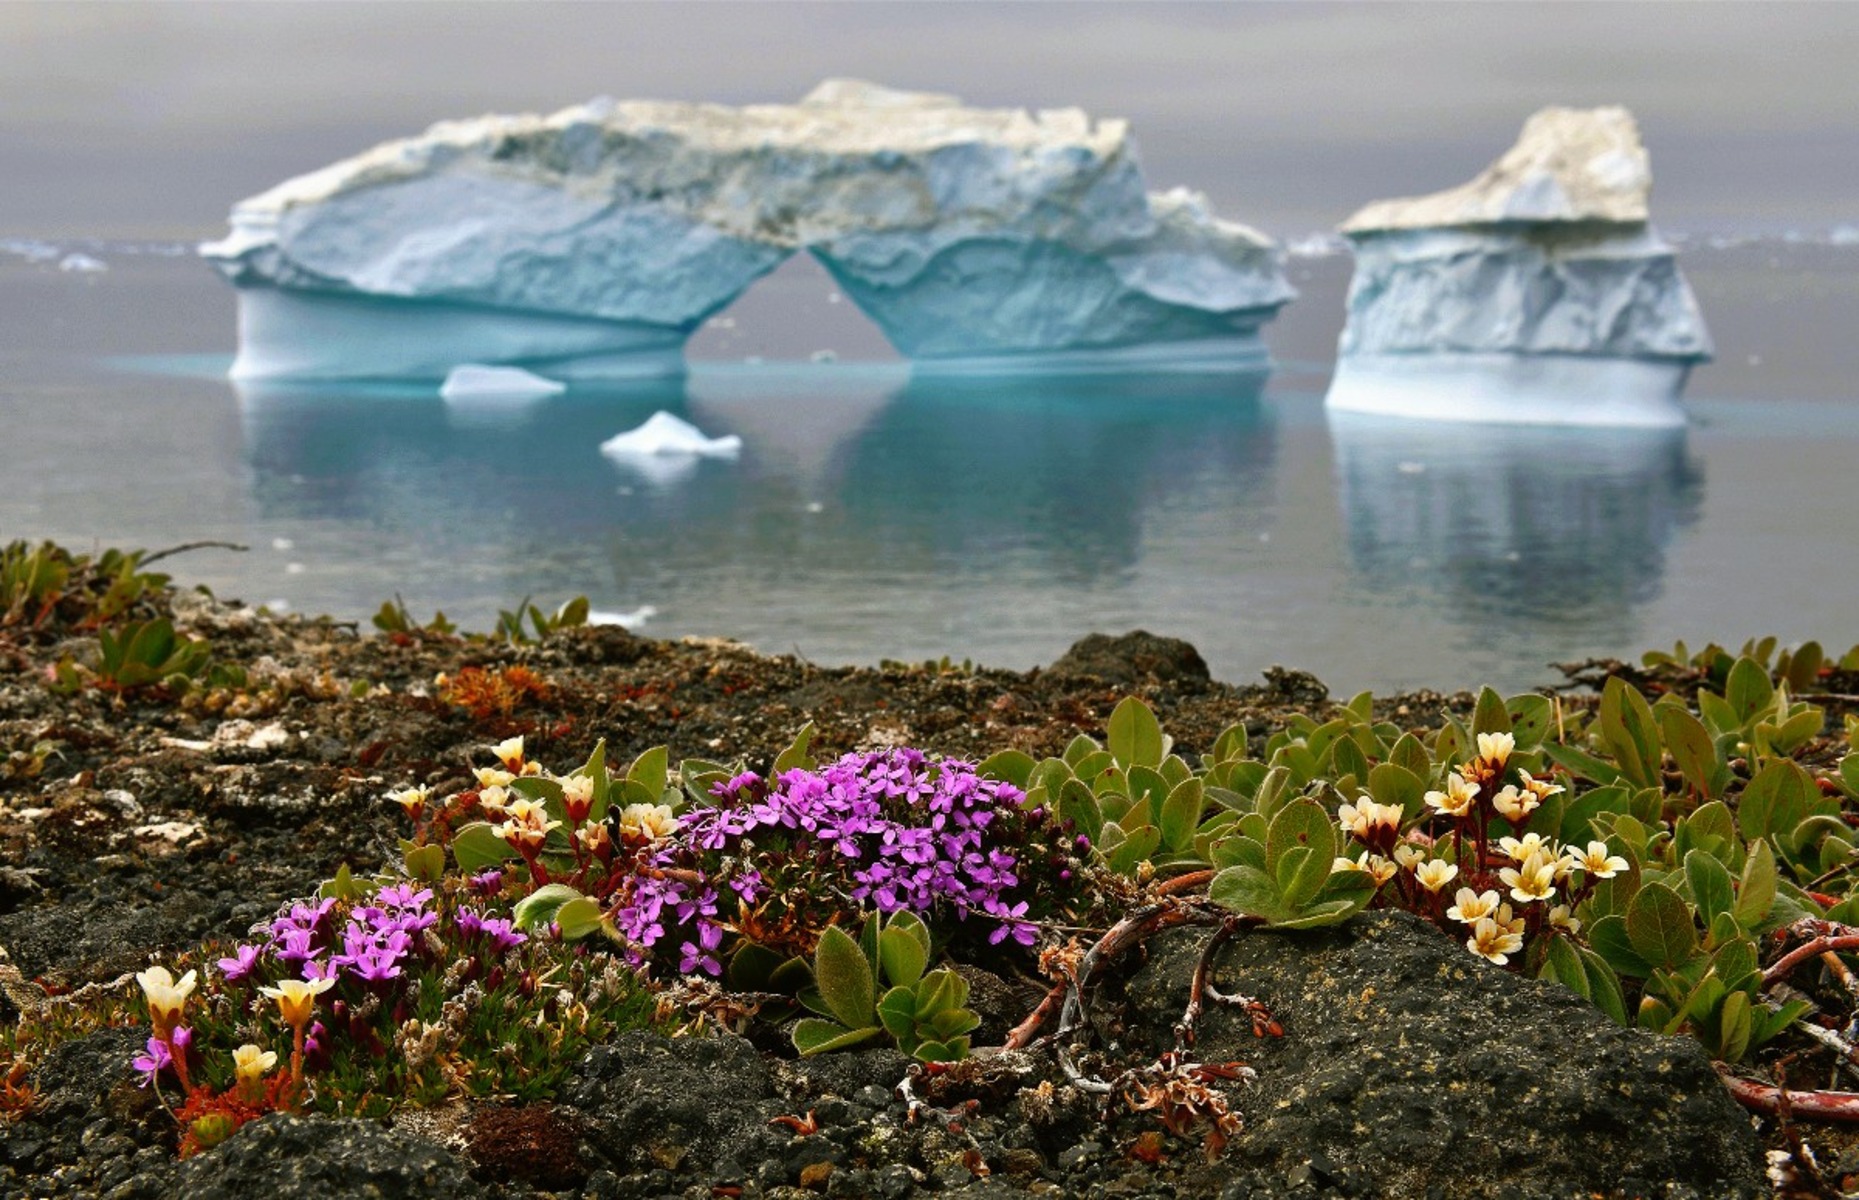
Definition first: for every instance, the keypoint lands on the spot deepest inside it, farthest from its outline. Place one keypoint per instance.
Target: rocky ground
(141, 822)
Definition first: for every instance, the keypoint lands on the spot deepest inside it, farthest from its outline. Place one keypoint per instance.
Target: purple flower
(488, 883)
(240, 967)
(693, 958)
(152, 1063)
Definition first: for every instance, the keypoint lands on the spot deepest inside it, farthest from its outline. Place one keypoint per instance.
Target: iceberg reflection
(1508, 524)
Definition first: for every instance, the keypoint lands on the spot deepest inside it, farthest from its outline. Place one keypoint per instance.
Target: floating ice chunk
(82, 263)
(625, 620)
(475, 381)
(30, 250)
(824, 356)
(666, 436)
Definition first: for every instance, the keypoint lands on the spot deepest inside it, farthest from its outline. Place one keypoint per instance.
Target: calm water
(875, 515)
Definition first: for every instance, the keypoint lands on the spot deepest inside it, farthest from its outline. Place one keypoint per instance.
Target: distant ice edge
(1513, 389)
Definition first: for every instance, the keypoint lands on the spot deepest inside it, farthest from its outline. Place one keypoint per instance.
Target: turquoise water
(876, 515)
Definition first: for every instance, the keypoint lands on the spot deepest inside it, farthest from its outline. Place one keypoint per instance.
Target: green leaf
(1078, 805)
(1247, 890)
(1692, 749)
(813, 1036)
(1491, 715)
(1134, 735)
(1181, 814)
(1630, 732)
(1140, 843)
(1562, 964)
(540, 906)
(1756, 895)
(902, 956)
(649, 770)
(1012, 766)
(1776, 800)
(1748, 691)
(1581, 763)
(426, 863)
(795, 756)
(844, 978)
(1660, 928)
(1604, 986)
(1315, 916)
(1301, 824)
(578, 918)
(1391, 783)
(1709, 882)
(1532, 718)
(476, 848)
(751, 968)
(1348, 761)
(1410, 753)
(1608, 936)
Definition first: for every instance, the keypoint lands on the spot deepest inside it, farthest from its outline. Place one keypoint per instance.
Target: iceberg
(1538, 293)
(593, 241)
(475, 381)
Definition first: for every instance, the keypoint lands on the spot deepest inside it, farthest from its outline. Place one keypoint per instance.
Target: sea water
(875, 514)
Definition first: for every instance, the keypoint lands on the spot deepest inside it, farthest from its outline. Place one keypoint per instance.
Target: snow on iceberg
(475, 381)
(1538, 293)
(595, 240)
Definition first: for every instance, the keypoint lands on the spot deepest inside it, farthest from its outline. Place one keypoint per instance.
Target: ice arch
(595, 240)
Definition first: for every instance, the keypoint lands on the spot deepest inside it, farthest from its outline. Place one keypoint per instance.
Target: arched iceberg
(595, 240)
(1538, 293)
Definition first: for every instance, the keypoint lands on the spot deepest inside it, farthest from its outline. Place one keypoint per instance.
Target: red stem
(1805, 951)
(1838, 1107)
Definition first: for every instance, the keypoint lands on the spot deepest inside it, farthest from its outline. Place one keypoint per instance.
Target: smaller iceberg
(1539, 293)
(475, 381)
(666, 436)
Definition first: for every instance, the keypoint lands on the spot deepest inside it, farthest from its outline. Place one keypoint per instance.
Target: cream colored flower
(647, 821)
(510, 753)
(1506, 922)
(1494, 749)
(296, 998)
(1521, 848)
(1436, 874)
(1513, 805)
(1542, 789)
(1561, 918)
(577, 797)
(1489, 940)
(1457, 799)
(252, 1064)
(1383, 869)
(1365, 819)
(493, 799)
(1533, 880)
(491, 777)
(593, 837)
(1471, 907)
(412, 799)
(166, 998)
(1409, 855)
(1596, 862)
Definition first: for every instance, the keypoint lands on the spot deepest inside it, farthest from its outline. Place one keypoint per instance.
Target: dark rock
(676, 1105)
(1295, 687)
(1131, 658)
(847, 1075)
(1406, 1061)
(313, 1158)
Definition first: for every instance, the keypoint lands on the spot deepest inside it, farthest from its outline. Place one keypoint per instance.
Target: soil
(141, 821)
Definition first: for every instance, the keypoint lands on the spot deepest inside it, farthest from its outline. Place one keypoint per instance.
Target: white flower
(1436, 874)
(1409, 855)
(166, 998)
(250, 1063)
(1513, 805)
(1494, 749)
(1533, 880)
(411, 799)
(296, 998)
(1489, 940)
(1596, 862)
(1471, 907)
(1542, 789)
(493, 799)
(1456, 800)
(1365, 819)
(577, 797)
(490, 777)
(1521, 848)
(510, 753)
(647, 821)
(1562, 919)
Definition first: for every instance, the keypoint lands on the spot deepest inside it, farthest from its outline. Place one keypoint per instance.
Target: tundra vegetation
(1677, 847)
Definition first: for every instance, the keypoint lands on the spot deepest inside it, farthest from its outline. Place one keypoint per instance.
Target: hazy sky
(151, 119)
